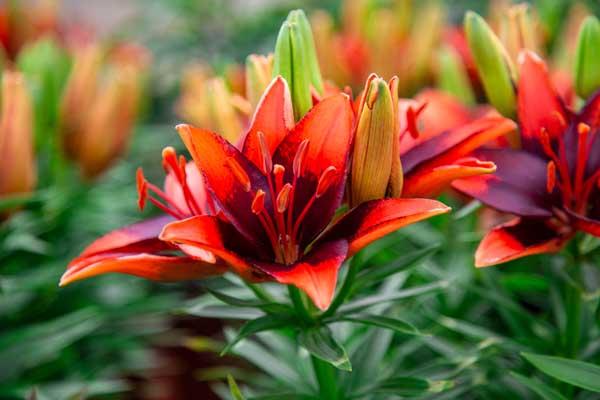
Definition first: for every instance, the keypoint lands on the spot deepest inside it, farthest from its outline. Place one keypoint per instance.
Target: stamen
(326, 179)
(170, 162)
(299, 158)
(550, 176)
(582, 155)
(283, 198)
(267, 162)
(279, 172)
(142, 188)
(545, 142)
(258, 204)
(239, 173)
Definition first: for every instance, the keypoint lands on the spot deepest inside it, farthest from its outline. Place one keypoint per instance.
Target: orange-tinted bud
(258, 76)
(376, 170)
(100, 106)
(17, 163)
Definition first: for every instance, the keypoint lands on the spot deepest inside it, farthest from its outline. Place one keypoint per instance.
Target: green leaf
(265, 323)
(408, 386)
(537, 387)
(383, 322)
(377, 274)
(234, 389)
(321, 343)
(269, 307)
(587, 65)
(370, 301)
(576, 373)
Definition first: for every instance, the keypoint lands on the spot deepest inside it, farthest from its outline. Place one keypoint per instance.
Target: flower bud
(99, 110)
(587, 63)
(376, 170)
(258, 76)
(453, 77)
(519, 31)
(494, 66)
(17, 162)
(296, 61)
(206, 101)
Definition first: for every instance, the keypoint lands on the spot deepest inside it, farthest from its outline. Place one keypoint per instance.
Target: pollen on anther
(326, 180)
(283, 198)
(278, 172)
(299, 157)
(550, 176)
(267, 162)
(258, 203)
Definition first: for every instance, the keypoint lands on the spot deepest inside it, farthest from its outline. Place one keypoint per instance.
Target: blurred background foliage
(126, 338)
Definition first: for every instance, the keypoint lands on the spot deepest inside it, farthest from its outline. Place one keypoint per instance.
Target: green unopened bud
(376, 169)
(519, 31)
(493, 64)
(587, 63)
(296, 61)
(46, 68)
(453, 77)
(258, 76)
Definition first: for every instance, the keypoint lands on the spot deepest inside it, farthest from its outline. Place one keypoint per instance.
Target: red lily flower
(551, 184)
(276, 199)
(439, 138)
(136, 249)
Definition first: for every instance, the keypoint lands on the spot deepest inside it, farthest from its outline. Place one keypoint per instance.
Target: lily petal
(148, 266)
(328, 127)
(539, 104)
(429, 183)
(142, 236)
(315, 274)
(232, 179)
(583, 223)
(210, 234)
(374, 219)
(518, 186)
(274, 117)
(457, 143)
(515, 239)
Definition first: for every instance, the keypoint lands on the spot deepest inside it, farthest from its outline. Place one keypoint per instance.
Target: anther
(326, 179)
(142, 188)
(560, 118)
(267, 162)
(279, 172)
(283, 198)
(258, 204)
(240, 174)
(299, 157)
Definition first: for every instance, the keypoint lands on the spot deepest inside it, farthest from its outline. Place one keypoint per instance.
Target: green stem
(260, 293)
(344, 291)
(299, 305)
(325, 374)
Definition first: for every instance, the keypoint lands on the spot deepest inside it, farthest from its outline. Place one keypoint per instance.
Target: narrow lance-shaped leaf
(541, 389)
(265, 323)
(576, 373)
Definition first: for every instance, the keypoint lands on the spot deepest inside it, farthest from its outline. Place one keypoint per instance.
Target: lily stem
(344, 291)
(299, 305)
(325, 374)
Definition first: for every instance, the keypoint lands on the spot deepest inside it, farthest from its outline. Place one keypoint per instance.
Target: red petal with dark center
(148, 266)
(231, 178)
(590, 114)
(515, 239)
(328, 127)
(216, 236)
(539, 105)
(457, 143)
(142, 237)
(274, 117)
(429, 183)
(315, 274)
(374, 219)
(518, 186)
